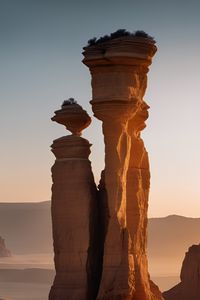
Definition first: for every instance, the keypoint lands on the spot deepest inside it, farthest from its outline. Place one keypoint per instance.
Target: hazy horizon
(149, 217)
(28, 273)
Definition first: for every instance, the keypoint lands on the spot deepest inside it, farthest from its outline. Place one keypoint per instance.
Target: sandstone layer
(119, 78)
(189, 287)
(4, 252)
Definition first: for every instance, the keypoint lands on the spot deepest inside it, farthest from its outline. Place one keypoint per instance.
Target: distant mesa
(4, 252)
(189, 287)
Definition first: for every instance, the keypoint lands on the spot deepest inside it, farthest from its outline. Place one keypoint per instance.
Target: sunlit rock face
(4, 252)
(189, 287)
(119, 78)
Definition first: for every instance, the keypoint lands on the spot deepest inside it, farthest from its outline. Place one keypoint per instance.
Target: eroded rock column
(73, 210)
(119, 75)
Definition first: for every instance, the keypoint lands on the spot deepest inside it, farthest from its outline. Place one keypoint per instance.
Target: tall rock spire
(118, 67)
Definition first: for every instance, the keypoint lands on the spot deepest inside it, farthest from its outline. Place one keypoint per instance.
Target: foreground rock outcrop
(4, 252)
(100, 235)
(189, 287)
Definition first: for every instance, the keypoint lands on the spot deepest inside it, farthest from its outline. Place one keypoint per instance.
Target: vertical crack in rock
(94, 260)
(98, 227)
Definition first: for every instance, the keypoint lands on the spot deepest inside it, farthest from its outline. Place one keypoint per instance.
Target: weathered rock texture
(189, 287)
(100, 235)
(73, 211)
(4, 252)
(119, 77)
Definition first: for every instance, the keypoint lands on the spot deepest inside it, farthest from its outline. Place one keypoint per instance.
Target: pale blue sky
(40, 66)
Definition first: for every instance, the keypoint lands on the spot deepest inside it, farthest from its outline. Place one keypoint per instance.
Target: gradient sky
(40, 65)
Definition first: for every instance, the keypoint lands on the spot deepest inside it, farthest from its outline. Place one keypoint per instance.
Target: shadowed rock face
(189, 287)
(4, 252)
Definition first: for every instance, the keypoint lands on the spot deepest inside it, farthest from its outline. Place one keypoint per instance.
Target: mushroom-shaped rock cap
(120, 47)
(72, 116)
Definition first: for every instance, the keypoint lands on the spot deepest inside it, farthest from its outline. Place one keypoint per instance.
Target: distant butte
(4, 252)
